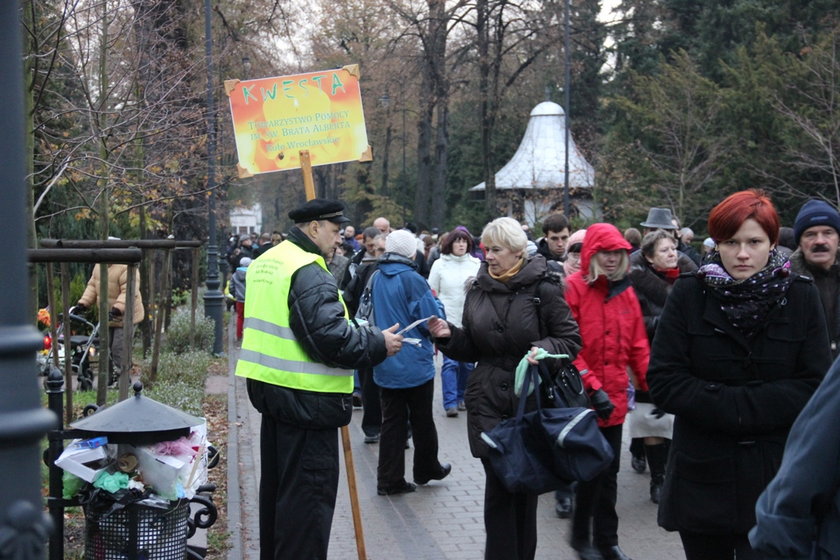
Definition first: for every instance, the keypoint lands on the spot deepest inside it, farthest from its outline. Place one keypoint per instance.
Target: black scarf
(746, 303)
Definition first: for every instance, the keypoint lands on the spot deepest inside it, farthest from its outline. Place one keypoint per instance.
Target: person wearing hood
(739, 349)
(571, 262)
(450, 278)
(615, 345)
(513, 309)
(401, 295)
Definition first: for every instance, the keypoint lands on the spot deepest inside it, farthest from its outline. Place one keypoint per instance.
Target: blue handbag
(546, 448)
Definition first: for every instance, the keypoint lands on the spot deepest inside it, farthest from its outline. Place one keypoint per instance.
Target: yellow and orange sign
(275, 118)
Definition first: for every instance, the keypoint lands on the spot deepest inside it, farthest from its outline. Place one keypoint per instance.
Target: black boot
(657, 456)
(637, 452)
(564, 501)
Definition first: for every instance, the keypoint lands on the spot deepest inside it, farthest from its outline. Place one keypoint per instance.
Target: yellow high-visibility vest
(270, 351)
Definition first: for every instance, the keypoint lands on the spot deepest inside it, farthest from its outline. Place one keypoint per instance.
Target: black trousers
(298, 484)
(595, 516)
(699, 546)
(510, 520)
(399, 406)
(372, 411)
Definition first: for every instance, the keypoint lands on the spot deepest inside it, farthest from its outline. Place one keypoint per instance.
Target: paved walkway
(442, 520)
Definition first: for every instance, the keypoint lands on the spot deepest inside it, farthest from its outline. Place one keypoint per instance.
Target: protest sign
(274, 119)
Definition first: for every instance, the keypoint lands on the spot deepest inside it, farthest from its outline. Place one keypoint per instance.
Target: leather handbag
(566, 387)
(546, 448)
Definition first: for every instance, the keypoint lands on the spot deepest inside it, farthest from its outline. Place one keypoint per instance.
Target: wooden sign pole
(306, 169)
(309, 187)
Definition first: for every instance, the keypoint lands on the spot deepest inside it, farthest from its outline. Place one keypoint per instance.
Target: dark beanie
(815, 213)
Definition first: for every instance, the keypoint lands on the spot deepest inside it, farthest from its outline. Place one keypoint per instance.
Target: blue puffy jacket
(401, 295)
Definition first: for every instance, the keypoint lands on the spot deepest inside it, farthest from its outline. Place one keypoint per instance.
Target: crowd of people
(713, 357)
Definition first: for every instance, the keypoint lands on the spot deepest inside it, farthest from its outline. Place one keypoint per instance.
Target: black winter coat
(734, 400)
(501, 324)
(828, 284)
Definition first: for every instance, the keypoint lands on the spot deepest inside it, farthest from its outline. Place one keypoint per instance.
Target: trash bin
(127, 526)
(137, 531)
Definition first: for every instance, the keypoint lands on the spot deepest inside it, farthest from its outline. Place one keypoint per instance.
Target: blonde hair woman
(502, 322)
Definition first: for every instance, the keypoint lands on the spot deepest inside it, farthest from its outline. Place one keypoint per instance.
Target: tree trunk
(424, 156)
(484, 110)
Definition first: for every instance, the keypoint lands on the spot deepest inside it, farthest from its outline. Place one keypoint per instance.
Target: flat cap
(319, 209)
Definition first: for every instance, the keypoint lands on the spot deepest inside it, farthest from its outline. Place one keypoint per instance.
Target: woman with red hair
(739, 349)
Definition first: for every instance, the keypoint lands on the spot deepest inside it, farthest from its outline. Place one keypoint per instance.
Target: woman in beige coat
(117, 289)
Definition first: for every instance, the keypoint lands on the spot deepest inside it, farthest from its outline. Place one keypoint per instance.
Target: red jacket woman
(611, 324)
(614, 339)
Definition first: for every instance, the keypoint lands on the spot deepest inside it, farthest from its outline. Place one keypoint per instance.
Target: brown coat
(117, 287)
(501, 323)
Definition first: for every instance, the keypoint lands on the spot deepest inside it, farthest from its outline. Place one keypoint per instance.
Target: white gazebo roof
(539, 161)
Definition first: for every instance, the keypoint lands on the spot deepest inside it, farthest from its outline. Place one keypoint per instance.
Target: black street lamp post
(24, 527)
(567, 102)
(213, 298)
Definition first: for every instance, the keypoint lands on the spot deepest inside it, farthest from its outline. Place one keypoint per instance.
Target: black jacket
(734, 400)
(828, 284)
(316, 316)
(652, 288)
(542, 249)
(501, 323)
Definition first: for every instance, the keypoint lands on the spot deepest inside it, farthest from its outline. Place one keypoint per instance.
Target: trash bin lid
(137, 420)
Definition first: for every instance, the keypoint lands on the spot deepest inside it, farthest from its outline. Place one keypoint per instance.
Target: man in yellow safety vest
(299, 350)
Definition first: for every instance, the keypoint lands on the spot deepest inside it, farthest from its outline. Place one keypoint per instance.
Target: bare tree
(812, 106)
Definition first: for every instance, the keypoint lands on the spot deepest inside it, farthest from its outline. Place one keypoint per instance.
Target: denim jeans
(453, 375)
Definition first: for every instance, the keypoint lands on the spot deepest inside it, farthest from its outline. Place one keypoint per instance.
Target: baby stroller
(84, 343)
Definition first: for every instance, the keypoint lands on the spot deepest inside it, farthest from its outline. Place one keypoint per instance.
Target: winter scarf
(746, 303)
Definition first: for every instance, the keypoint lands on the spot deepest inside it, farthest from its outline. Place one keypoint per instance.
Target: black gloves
(114, 315)
(78, 309)
(602, 404)
(644, 397)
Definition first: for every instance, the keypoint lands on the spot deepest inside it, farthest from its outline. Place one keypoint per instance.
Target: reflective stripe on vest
(270, 351)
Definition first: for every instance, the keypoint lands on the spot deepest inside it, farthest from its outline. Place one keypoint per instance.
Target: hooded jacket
(611, 325)
(501, 322)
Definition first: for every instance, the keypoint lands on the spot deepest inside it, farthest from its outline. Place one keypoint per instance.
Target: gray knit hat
(401, 242)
